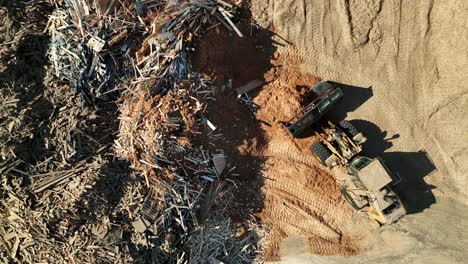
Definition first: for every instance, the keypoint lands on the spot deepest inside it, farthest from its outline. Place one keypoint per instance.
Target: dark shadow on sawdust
(225, 56)
(241, 136)
(354, 97)
(408, 168)
(412, 167)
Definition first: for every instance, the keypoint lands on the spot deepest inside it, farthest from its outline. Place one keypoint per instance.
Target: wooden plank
(230, 21)
(248, 87)
(224, 3)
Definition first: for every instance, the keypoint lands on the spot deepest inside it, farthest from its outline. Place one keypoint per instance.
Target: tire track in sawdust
(289, 150)
(313, 185)
(320, 245)
(319, 206)
(295, 219)
(303, 199)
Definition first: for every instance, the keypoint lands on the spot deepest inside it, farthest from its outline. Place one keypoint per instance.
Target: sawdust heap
(302, 198)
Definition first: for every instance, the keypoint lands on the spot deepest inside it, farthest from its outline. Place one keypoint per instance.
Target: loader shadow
(378, 141)
(412, 167)
(354, 97)
(409, 167)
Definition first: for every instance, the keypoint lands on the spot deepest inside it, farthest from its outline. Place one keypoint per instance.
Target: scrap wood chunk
(141, 225)
(248, 87)
(100, 231)
(219, 162)
(107, 6)
(210, 125)
(207, 178)
(15, 247)
(118, 37)
(226, 16)
(96, 43)
(224, 3)
(216, 261)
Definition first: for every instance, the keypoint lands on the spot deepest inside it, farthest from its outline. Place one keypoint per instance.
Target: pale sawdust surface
(412, 54)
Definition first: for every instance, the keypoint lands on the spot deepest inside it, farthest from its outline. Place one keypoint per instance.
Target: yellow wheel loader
(366, 182)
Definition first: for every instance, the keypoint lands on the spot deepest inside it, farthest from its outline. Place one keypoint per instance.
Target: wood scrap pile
(155, 130)
(156, 134)
(219, 242)
(75, 198)
(143, 42)
(89, 49)
(53, 153)
(160, 120)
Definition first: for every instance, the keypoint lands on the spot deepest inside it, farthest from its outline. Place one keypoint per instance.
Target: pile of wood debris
(118, 168)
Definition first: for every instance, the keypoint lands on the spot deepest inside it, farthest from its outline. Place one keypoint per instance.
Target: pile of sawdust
(301, 196)
(67, 196)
